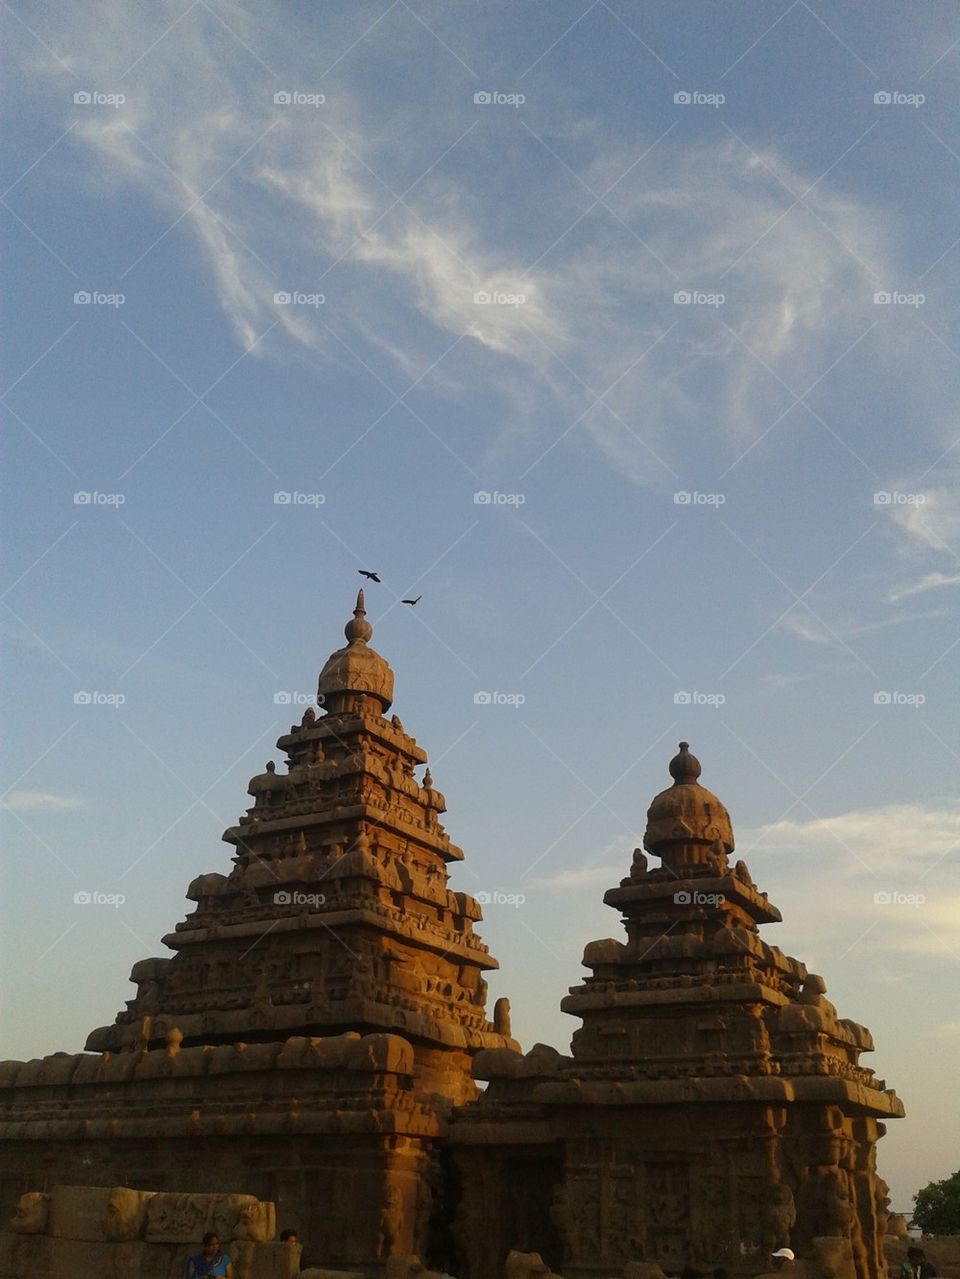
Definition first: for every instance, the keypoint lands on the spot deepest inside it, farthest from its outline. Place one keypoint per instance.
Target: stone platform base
(132, 1234)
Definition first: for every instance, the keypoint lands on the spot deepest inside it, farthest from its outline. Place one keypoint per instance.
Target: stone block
(391, 1053)
(164, 1260)
(527, 1265)
(256, 1221)
(104, 1260)
(98, 1214)
(22, 1255)
(264, 1260)
(186, 1218)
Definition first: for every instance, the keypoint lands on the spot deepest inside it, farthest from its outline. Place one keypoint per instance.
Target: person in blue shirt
(211, 1261)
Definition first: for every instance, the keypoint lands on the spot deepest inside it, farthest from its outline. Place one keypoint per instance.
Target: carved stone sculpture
(33, 1214)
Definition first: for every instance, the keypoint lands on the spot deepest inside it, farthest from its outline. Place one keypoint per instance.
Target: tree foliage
(937, 1207)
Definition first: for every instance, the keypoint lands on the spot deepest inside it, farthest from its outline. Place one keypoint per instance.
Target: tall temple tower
(315, 1025)
(336, 916)
(713, 1107)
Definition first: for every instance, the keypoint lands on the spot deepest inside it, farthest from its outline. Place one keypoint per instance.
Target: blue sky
(795, 619)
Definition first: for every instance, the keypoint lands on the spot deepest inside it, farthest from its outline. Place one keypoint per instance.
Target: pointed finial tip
(685, 767)
(358, 629)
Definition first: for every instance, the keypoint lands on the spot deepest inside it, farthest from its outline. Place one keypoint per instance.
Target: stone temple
(319, 1036)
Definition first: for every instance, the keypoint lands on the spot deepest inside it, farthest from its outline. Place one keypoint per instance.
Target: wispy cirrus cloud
(881, 836)
(23, 801)
(932, 520)
(280, 197)
(932, 581)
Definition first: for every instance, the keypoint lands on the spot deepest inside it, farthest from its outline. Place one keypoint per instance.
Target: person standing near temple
(292, 1238)
(210, 1262)
(782, 1265)
(917, 1266)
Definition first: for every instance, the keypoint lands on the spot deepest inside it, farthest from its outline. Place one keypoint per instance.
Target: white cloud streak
(291, 196)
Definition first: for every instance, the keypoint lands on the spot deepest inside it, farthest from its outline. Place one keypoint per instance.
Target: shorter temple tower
(713, 1107)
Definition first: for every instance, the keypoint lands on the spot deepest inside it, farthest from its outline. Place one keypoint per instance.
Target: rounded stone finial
(684, 767)
(271, 766)
(355, 671)
(358, 629)
(428, 779)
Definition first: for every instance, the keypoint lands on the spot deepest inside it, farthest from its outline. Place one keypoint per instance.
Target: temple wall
(119, 1233)
(334, 1131)
(703, 1186)
(350, 1199)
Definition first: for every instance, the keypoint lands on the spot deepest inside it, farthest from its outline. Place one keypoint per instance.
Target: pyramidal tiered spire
(713, 1108)
(693, 942)
(336, 916)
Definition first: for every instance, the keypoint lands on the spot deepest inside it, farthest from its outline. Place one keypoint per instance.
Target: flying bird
(416, 601)
(372, 576)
